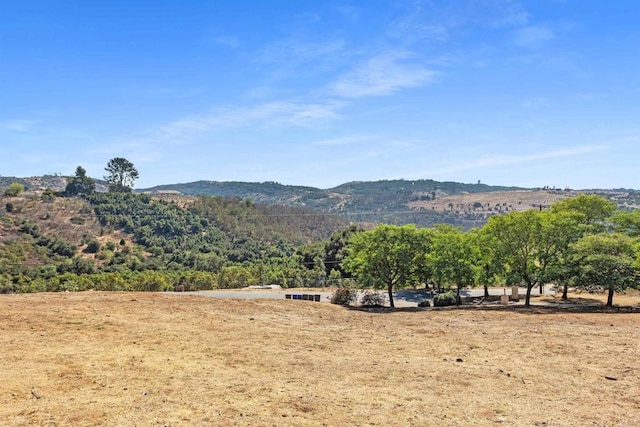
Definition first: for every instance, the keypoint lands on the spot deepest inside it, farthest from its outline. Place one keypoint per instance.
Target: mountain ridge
(424, 202)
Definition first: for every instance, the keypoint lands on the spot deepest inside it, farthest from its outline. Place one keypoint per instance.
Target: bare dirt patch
(152, 359)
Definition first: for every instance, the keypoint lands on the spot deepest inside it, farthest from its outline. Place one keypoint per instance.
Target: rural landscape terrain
(153, 356)
(96, 358)
(320, 213)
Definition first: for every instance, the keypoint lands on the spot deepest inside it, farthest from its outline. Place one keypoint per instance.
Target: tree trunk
(610, 298)
(541, 288)
(390, 290)
(527, 300)
(565, 289)
(458, 295)
(486, 291)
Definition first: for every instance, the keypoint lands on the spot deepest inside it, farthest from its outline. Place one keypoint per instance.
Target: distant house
(167, 193)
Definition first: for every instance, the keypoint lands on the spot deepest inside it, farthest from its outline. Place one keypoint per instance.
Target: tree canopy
(384, 257)
(80, 184)
(121, 175)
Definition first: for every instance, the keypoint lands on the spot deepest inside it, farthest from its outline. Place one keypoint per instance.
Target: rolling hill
(422, 202)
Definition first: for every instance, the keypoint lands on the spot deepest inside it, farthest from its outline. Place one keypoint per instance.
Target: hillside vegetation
(422, 202)
(118, 240)
(81, 239)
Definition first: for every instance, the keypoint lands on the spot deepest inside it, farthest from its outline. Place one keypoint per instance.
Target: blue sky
(528, 93)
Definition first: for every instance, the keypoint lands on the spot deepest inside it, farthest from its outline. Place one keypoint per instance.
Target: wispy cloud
(22, 125)
(298, 51)
(269, 114)
(228, 41)
(437, 20)
(383, 74)
(533, 37)
(344, 140)
(505, 160)
(536, 102)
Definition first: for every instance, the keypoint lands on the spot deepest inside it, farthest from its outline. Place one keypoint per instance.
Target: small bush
(93, 247)
(425, 303)
(372, 299)
(344, 296)
(9, 207)
(444, 300)
(14, 189)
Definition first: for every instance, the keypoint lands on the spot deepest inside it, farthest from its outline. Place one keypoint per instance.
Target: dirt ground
(131, 359)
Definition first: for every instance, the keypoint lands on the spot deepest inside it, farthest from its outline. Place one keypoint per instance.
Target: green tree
(335, 249)
(14, 189)
(80, 184)
(454, 257)
(529, 243)
(607, 260)
(627, 222)
(590, 213)
(122, 175)
(422, 266)
(384, 257)
(593, 208)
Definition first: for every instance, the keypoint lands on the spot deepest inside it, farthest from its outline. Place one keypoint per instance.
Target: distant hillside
(45, 182)
(423, 202)
(53, 182)
(376, 201)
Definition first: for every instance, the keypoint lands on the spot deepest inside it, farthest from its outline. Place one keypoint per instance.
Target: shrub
(372, 299)
(14, 189)
(344, 296)
(31, 228)
(443, 300)
(93, 247)
(424, 303)
(48, 195)
(9, 207)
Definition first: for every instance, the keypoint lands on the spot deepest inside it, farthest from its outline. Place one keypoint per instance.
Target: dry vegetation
(155, 359)
(67, 218)
(513, 200)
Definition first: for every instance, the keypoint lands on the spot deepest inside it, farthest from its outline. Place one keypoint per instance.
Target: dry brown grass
(151, 359)
(514, 200)
(630, 297)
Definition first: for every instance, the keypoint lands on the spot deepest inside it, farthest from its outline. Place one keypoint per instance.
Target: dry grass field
(518, 200)
(125, 359)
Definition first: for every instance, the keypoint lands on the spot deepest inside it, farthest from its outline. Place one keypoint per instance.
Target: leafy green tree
(423, 268)
(627, 222)
(454, 257)
(490, 267)
(384, 257)
(122, 175)
(593, 208)
(607, 260)
(14, 189)
(80, 184)
(336, 248)
(529, 243)
(590, 213)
